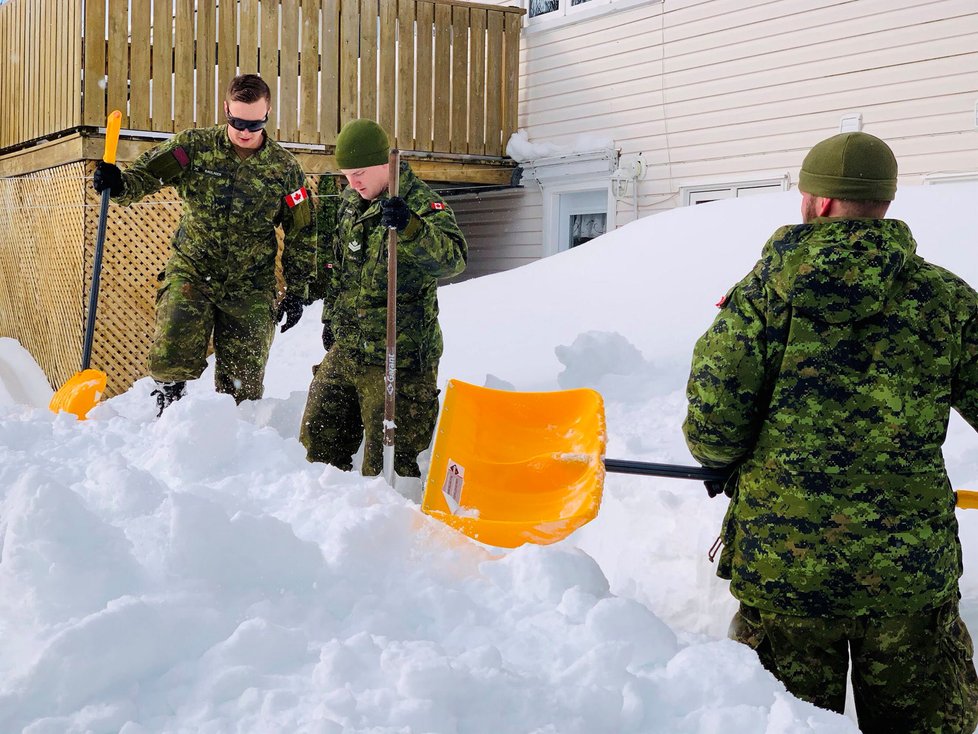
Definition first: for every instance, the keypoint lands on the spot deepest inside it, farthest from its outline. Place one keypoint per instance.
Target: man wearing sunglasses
(236, 186)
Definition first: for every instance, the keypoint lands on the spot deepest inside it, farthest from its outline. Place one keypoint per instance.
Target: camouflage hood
(837, 270)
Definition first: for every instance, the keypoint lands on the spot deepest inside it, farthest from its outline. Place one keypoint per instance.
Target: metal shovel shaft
(646, 468)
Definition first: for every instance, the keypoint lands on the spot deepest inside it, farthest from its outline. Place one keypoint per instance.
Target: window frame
(730, 190)
(566, 14)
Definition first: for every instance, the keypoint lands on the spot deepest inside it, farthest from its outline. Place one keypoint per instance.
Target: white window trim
(686, 193)
(939, 178)
(567, 14)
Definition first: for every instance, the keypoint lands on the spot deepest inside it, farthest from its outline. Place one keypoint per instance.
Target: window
(705, 193)
(582, 216)
(551, 13)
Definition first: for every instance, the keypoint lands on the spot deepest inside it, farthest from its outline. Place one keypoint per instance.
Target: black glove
(108, 176)
(291, 308)
(718, 486)
(328, 338)
(394, 213)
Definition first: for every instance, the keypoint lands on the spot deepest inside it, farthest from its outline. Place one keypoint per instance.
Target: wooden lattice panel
(41, 233)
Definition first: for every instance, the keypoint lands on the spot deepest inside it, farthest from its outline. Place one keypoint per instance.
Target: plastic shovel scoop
(84, 389)
(509, 468)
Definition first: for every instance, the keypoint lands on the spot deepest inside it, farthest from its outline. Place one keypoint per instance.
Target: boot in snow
(168, 392)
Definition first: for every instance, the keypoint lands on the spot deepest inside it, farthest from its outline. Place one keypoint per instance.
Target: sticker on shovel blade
(452, 488)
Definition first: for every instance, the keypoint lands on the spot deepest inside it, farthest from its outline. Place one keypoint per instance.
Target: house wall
(724, 91)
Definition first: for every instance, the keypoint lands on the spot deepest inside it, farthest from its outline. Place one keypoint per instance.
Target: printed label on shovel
(452, 488)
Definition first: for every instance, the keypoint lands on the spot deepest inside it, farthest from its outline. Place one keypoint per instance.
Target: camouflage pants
(346, 403)
(242, 327)
(912, 673)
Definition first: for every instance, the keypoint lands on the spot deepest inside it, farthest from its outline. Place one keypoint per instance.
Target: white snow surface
(194, 573)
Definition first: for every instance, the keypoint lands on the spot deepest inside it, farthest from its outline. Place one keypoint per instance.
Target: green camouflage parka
(355, 290)
(226, 238)
(828, 378)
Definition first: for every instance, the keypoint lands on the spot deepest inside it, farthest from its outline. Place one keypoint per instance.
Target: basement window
(548, 14)
(690, 195)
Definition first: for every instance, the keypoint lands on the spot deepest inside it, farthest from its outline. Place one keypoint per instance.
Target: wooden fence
(439, 75)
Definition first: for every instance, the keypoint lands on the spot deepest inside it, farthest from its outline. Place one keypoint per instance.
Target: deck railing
(439, 75)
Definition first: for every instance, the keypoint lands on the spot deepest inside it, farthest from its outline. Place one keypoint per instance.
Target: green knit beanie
(362, 143)
(850, 166)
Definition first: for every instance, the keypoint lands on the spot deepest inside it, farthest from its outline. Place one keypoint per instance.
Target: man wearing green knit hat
(825, 386)
(346, 397)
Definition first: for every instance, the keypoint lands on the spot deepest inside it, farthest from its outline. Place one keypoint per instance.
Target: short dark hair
(248, 88)
(864, 208)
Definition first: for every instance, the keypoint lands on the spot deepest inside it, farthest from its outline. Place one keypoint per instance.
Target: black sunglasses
(251, 126)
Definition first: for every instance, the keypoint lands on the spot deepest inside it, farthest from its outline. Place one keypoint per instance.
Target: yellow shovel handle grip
(967, 499)
(112, 127)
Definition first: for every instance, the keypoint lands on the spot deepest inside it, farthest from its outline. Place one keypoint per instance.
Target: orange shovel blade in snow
(509, 468)
(80, 393)
(84, 389)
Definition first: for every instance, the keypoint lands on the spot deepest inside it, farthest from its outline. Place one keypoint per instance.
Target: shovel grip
(967, 499)
(112, 127)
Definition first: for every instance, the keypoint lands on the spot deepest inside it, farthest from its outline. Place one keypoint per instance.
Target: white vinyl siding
(723, 91)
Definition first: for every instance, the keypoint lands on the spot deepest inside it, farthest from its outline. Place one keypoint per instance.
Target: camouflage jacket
(231, 207)
(355, 293)
(827, 379)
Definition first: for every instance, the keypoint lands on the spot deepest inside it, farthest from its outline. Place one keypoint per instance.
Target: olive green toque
(850, 166)
(362, 143)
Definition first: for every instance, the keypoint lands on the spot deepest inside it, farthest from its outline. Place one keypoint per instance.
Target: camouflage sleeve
(433, 242)
(156, 168)
(327, 217)
(964, 387)
(726, 382)
(299, 252)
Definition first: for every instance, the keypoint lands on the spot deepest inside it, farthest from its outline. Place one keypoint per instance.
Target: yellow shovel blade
(80, 393)
(509, 468)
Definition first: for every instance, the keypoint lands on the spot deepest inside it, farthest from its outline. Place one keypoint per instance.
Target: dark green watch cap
(850, 166)
(362, 143)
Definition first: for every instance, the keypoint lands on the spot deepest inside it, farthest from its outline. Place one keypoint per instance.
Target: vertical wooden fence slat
(349, 55)
(139, 69)
(329, 75)
(206, 58)
(460, 74)
(118, 60)
(74, 90)
(44, 61)
(423, 93)
(406, 71)
(248, 44)
(162, 65)
(19, 41)
(368, 59)
(227, 51)
(94, 100)
(33, 26)
(288, 72)
(60, 69)
(477, 83)
(512, 76)
(443, 76)
(494, 83)
(387, 67)
(183, 65)
(5, 91)
(309, 73)
(268, 59)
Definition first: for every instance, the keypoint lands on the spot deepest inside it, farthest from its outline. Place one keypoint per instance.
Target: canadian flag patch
(437, 206)
(296, 197)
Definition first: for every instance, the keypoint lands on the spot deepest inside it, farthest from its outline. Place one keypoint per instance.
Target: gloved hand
(328, 338)
(394, 213)
(718, 486)
(107, 176)
(291, 308)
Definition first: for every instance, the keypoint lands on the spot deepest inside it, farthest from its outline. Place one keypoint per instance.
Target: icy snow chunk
(606, 362)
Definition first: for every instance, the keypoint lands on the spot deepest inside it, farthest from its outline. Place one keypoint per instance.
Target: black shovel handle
(646, 468)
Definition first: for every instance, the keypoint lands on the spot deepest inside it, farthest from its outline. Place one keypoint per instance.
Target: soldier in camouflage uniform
(825, 384)
(346, 397)
(236, 185)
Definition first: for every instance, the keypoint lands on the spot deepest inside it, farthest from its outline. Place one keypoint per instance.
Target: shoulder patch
(437, 206)
(725, 298)
(296, 197)
(167, 166)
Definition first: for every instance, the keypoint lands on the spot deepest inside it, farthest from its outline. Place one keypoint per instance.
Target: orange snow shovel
(509, 468)
(84, 389)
